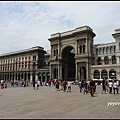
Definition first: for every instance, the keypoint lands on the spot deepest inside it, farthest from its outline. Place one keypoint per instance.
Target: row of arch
(107, 60)
(82, 48)
(106, 50)
(105, 74)
(25, 76)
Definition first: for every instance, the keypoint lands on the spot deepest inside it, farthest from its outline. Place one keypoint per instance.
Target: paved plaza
(46, 102)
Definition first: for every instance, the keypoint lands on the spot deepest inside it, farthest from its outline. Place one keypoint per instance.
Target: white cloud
(26, 24)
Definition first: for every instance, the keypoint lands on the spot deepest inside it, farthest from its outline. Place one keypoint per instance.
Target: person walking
(80, 86)
(118, 84)
(38, 84)
(57, 85)
(64, 85)
(106, 85)
(69, 86)
(115, 86)
(92, 87)
(33, 82)
(85, 87)
(110, 84)
(103, 86)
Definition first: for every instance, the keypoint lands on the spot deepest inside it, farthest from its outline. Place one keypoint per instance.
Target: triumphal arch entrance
(72, 54)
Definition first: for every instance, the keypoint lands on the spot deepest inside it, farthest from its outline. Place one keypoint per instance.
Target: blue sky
(27, 24)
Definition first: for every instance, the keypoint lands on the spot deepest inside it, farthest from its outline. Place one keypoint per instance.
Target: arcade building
(73, 56)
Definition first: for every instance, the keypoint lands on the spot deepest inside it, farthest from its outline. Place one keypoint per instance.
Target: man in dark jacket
(33, 82)
(92, 87)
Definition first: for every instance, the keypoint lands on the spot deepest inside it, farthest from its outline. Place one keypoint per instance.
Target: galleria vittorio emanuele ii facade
(73, 56)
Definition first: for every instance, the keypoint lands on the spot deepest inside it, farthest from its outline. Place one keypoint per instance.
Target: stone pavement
(46, 102)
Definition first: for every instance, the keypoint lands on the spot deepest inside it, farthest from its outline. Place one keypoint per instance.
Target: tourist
(115, 86)
(110, 84)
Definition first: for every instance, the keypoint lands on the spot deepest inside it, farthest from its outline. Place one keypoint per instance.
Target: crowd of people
(85, 86)
(58, 84)
(11, 83)
(110, 86)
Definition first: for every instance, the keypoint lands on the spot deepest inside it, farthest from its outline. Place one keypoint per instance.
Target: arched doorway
(33, 76)
(112, 74)
(104, 74)
(39, 75)
(74, 49)
(96, 74)
(19, 76)
(55, 73)
(29, 77)
(43, 77)
(68, 63)
(10, 77)
(25, 76)
(22, 76)
(48, 76)
(82, 73)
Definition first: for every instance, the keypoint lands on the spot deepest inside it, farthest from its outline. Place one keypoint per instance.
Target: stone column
(60, 72)
(30, 77)
(51, 75)
(36, 76)
(100, 74)
(118, 59)
(87, 70)
(76, 76)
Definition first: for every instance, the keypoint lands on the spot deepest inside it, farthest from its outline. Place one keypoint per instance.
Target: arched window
(80, 48)
(83, 48)
(106, 60)
(107, 50)
(82, 73)
(96, 74)
(97, 51)
(104, 51)
(104, 74)
(54, 52)
(114, 49)
(112, 74)
(99, 61)
(113, 59)
(111, 49)
(100, 51)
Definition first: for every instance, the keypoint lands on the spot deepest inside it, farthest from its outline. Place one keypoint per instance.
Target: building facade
(25, 64)
(73, 56)
(107, 59)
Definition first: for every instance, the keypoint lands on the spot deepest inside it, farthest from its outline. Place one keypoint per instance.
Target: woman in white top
(69, 86)
(38, 83)
(110, 86)
(115, 87)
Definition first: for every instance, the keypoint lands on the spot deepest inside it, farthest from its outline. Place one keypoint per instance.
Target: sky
(27, 24)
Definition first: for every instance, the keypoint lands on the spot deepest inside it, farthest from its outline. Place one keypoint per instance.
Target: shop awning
(48, 74)
(44, 74)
